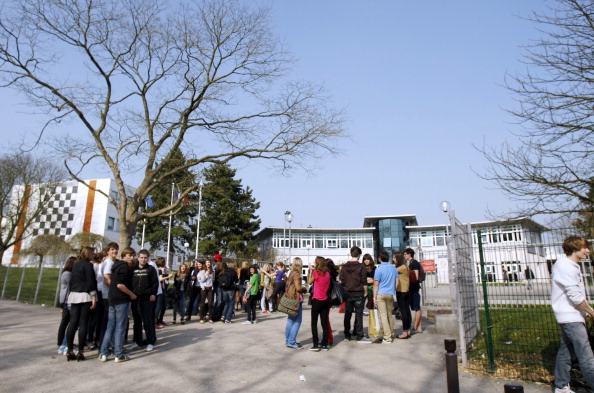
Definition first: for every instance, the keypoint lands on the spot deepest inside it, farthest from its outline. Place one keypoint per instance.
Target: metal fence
(517, 335)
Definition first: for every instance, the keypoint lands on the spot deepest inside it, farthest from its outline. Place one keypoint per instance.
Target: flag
(186, 200)
(175, 194)
(149, 201)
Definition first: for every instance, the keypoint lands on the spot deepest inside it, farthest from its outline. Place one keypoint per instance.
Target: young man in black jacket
(353, 276)
(145, 283)
(119, 303)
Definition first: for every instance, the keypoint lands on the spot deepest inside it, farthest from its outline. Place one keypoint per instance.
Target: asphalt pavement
(228, 358)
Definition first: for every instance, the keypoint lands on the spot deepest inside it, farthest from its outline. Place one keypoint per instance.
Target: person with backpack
(417, 276)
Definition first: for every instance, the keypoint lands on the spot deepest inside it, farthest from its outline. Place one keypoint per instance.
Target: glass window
(331, 243)
(319, 243)
(110, 223)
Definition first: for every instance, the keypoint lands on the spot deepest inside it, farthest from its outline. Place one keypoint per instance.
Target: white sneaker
(246, 323)
(133, 346)
(62, 350)
(149, 347)
(566, 389)
(103, 358)
(122, 358)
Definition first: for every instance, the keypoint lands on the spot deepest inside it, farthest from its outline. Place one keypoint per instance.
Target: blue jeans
(229, 300)
(179, 306)
(293, 325)
(574, 344)
(117, 321)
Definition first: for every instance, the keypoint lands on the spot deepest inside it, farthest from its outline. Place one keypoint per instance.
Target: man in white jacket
(568, 298)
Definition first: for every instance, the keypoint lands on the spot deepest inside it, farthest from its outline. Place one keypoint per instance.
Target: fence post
(5, 280)
(451, 360)
(38, 282)
(489, 327)
(21, 282)
(513, 388)
(58, 285)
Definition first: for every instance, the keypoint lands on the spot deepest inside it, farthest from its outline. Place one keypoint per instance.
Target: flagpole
(169, 231)
(199, 215)
(144, 223)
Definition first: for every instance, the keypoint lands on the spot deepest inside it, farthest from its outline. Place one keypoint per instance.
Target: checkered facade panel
(58, 217)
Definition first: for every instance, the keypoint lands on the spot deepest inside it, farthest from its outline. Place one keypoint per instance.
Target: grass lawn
(524, 340)
(47, 288)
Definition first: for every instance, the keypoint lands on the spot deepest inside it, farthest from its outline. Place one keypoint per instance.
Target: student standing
(568, 298)
(252, 299)
(120, 294)
(294, 291)
(320, 278)
(353, 276)
(144, 285)
(415, 288)
(384, 290)
(82, 299)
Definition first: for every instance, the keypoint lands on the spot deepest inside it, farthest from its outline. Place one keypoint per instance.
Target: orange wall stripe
(21, 225)
(89, 208)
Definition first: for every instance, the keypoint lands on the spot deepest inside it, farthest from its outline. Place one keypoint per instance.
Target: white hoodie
(567, 292)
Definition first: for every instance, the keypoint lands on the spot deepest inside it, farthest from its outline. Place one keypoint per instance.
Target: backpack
(422, 273)
(413, 277)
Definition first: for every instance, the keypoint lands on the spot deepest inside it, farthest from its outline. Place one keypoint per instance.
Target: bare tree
(26, 187)
(141, 81)
(549, 170)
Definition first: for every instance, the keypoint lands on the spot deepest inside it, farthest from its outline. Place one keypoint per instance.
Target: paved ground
(226, 358)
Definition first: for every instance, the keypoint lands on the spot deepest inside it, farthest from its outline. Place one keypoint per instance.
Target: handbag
(289, 306)
(337, 294)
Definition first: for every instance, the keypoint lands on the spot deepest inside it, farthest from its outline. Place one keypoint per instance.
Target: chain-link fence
(518, 335)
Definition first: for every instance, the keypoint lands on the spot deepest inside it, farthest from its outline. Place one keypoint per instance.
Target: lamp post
(200, 185)
(186, 245)
(289, 218)
(445, 207)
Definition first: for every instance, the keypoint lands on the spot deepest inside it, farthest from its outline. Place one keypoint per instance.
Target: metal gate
(462, 283)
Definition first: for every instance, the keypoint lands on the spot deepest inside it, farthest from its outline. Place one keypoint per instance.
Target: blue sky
(420, 82)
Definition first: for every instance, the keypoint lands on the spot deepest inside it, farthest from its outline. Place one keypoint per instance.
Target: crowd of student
(98, 291)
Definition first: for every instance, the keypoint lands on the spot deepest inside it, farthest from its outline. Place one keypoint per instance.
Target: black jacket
(120, 274)
(145, 282)
(83, 277)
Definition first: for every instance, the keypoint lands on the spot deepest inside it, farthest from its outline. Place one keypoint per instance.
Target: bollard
(451, 360)
(513, 388)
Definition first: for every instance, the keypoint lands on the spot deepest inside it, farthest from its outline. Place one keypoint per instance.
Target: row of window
(319, 240)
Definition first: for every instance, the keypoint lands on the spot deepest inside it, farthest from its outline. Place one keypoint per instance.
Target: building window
(331, 243)
(110, 223)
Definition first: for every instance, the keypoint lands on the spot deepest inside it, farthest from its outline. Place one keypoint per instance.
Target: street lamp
(289, 218)
(200, 185)
(186, 245)
(445, 207)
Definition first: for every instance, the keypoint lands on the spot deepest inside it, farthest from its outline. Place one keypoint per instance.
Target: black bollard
(513, 388)
(451, 360)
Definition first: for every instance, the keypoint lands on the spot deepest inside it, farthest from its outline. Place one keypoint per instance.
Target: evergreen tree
(157, 227)
(229, 218)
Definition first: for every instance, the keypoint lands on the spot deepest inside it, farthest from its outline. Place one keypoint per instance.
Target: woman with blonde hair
(294, 291)
(266, 282)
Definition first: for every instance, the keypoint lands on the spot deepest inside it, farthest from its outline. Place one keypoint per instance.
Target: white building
(508, 246)
(74, 208)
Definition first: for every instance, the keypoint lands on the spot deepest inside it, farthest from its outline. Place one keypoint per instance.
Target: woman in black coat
(82, 299)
